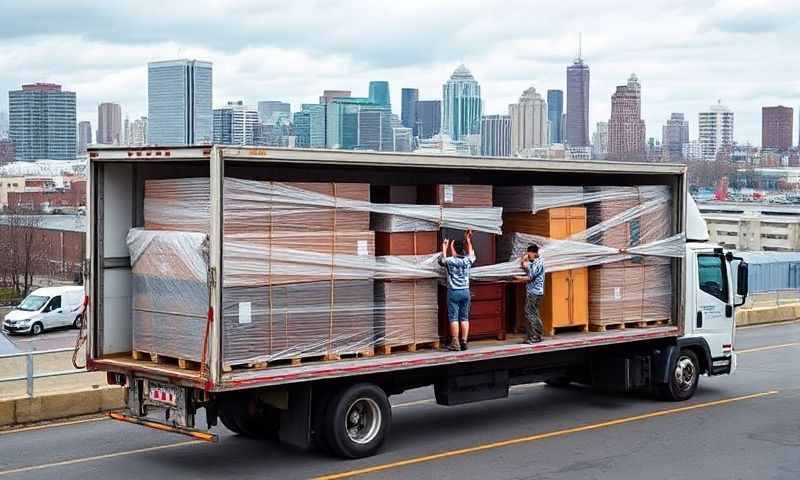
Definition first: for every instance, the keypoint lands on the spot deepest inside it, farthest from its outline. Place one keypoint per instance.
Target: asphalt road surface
(48, 340)
(744, 426)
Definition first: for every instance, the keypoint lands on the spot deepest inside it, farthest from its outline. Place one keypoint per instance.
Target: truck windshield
(32, 303)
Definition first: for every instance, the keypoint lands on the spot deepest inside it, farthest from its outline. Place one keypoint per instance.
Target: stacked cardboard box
(639, 289)
(293, 268)
(406, 311)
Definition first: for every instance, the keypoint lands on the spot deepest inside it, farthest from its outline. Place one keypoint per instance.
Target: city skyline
(671, 57)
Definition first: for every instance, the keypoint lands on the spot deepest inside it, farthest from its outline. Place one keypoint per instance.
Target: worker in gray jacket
(533, 265)
(458, 266)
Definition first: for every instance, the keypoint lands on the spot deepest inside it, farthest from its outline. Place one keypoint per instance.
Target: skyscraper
(309, 126)
(328, 95)
(84, 136)
(342, 122)
(429, 118)
(776, 128)
(555, 110)
(408, 112)
(179, 102)
(716, 130)
(379, 93)
(626, 131)
(271, 111)
(375, 131)
(42, 122)
(577, 121)
(674, 135)
(496, 135)
(235, 124)
(462, 106)
(529, 126)
(600, 141)
(403, 139)
(109, 124)
(137, 132)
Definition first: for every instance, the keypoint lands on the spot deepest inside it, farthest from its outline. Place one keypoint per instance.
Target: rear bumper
(149, 423)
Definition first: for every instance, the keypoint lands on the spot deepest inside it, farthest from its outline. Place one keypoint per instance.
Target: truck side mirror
(741, 280)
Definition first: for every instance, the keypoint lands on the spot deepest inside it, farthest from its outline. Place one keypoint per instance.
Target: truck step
(299, 360)
(408, 347)
(165, 360)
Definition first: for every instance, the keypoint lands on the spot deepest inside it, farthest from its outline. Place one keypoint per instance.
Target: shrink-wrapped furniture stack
(536, 211)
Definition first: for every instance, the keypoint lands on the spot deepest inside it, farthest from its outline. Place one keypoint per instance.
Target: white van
(47, 308)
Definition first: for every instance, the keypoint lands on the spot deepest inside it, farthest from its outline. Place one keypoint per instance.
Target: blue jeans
(458, 305)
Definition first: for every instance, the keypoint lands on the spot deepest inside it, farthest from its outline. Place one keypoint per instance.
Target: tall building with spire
(626, 131)
(577, 120)
(462, 107)
(529, 125)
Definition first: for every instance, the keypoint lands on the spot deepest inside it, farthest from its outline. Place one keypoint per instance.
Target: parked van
(47, 308)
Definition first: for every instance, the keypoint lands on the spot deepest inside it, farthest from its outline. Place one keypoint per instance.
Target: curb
(761, 316)
(54, 406)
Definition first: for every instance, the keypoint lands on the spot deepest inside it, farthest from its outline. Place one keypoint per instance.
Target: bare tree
(23, 246)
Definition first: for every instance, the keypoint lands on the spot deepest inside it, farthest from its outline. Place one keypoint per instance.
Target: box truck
(258, 382)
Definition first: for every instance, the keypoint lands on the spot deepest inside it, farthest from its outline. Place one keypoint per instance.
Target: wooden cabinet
(566, 293)
(487, 311)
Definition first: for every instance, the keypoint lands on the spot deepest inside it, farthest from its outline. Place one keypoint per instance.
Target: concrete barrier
(54, 406)
(764, 315)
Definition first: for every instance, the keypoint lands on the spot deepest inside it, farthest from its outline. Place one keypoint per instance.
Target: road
(736, 427)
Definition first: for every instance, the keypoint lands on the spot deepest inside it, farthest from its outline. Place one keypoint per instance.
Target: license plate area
(161, 394)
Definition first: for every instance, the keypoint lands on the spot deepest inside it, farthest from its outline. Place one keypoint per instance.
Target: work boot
(463, 345)
(453, 346)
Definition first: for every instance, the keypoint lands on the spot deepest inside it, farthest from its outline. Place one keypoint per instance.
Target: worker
(458, 266)
(532, 263)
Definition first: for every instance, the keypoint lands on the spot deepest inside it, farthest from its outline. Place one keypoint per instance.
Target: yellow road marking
(769, 347)
(96, 457)
(51, 425)
(533, 438)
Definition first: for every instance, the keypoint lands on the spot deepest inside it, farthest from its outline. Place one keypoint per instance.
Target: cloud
(686, 53)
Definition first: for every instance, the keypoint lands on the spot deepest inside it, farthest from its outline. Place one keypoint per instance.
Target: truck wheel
(683, 378)
(357, 420)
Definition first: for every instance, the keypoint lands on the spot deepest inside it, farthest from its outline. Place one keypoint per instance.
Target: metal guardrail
(29, 376)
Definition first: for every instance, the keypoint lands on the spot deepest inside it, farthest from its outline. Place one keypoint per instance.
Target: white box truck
(343, 405)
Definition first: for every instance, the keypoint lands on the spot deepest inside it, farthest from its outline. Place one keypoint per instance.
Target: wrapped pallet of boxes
(406, 311)
(565, 302)
(636, 292)
(488, 299)
(298, 267)
(170, 295)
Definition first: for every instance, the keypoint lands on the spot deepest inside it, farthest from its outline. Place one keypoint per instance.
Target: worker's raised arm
(470, 249)
(445, 244)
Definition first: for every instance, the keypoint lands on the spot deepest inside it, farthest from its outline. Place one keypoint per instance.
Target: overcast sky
(687, 53)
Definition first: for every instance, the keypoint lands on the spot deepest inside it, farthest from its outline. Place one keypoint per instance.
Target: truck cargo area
(123, 180)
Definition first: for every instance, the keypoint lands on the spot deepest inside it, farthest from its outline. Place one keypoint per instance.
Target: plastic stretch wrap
(170, 293)
(541, 197)
(182, 204)
(301, 278)
(389, 223)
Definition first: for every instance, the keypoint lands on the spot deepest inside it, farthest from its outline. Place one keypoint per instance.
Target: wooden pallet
(408, 347)
(165, 360)
(597, 327)
(566, 328)
(296, 361)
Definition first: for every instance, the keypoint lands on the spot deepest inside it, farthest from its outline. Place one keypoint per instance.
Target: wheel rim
(78, 322)
(363, 421)
(37, 329)
(685, 373)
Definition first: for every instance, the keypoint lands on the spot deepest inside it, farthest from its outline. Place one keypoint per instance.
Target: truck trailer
(340, 403)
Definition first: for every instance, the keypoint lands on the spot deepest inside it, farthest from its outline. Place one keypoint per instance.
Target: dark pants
(534, 327)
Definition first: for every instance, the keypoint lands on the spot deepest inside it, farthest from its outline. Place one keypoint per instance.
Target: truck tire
(357, 421)
(683, 378)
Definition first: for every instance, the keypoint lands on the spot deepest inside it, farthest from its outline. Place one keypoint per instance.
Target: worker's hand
(445, 243)
(468, 234)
